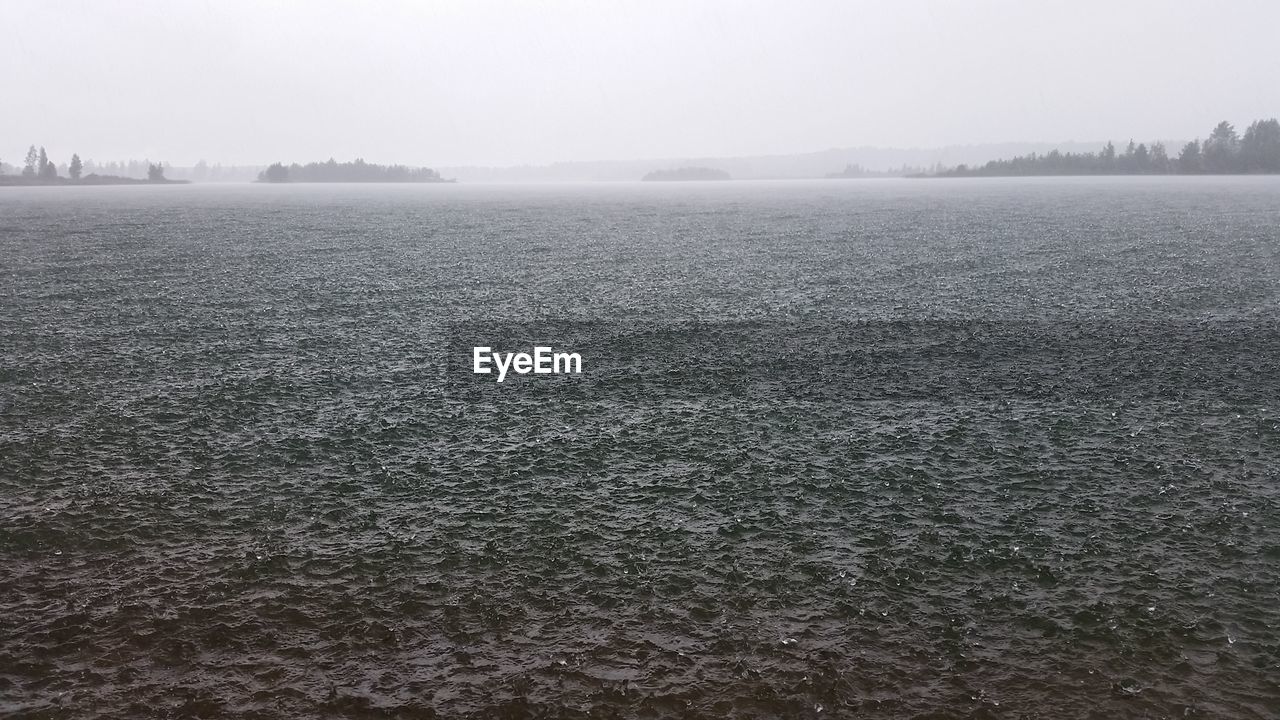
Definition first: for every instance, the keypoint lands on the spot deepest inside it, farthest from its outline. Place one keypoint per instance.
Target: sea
(907, 448)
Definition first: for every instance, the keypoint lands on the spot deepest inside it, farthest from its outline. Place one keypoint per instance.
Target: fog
(502, 83)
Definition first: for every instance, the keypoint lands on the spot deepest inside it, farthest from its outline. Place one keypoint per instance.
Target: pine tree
(29, 166)
(1221, 150)
(48, 170)
(76, 167)
(1159, 158)
(1191, 160)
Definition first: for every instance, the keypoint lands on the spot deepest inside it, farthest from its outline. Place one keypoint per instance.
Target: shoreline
(20, 181)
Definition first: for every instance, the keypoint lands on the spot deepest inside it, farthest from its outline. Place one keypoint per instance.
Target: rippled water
(878, 449)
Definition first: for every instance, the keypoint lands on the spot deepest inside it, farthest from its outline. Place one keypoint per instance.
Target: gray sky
(473, 82)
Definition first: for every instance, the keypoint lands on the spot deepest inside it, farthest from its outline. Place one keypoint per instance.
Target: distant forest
(348, 172)
(1224, 153)
(854, 171)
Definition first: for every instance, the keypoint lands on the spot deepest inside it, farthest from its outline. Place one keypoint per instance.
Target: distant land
(1225, 152)
(686, 174)
(38, 169)
(881, 162)
(91, 179)
(854, 170)
(356, 171)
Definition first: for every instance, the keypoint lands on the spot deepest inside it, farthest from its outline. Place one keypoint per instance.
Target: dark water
(998, 449)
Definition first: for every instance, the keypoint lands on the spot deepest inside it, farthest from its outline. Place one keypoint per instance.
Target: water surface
(243, 474)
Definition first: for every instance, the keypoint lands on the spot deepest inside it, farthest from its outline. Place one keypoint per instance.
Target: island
(686, 173)
(356, 171)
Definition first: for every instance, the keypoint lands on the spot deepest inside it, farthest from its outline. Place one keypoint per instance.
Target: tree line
(855, 170)
(38, 168)
(1224, 153)
(355, 171)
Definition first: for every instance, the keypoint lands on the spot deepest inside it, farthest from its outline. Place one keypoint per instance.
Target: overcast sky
(473, 82)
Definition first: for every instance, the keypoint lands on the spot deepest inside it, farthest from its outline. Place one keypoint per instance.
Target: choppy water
(959, 448)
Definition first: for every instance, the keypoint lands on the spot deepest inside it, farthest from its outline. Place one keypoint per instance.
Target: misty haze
(639, 359)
